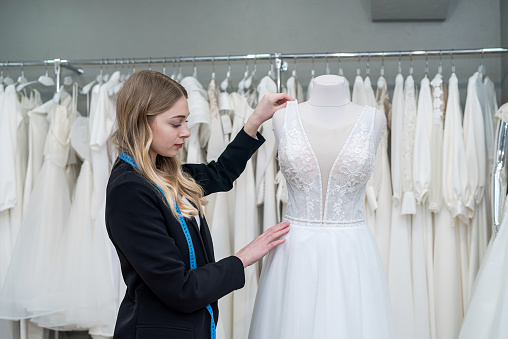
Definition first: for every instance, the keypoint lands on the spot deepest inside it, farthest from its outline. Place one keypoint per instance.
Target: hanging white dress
(38, 126)
(474, 141)
(453, 215)
(382, 179)
(10, 198)
(88, 291)
(434, 201)
(294, 89)
(31, 287)
(102, 122)
(422, 232)
(326, 280)
(219, 213)
(488, 101)
(245, 227)
(265, 166)
(488, 307)
(399, 266)
(198, 120)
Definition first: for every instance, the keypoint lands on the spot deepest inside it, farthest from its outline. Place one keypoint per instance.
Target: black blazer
(164, 298)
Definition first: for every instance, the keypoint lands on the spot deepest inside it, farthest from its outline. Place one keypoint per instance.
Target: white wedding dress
(327, 279)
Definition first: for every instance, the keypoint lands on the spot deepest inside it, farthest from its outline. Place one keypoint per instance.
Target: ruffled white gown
(327, 279)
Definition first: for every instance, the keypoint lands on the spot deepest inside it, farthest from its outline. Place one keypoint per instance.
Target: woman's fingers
(280, 232)
(281, 98)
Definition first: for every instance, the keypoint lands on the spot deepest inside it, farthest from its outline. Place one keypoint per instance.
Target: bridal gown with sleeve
(399, 265)
(488, 308)
(327, 279)
(450, 220)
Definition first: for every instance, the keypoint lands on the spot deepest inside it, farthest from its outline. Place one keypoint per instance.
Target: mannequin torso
(328, 118)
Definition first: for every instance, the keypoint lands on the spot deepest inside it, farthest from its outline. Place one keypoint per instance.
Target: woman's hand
(260, 246)
(265, 109)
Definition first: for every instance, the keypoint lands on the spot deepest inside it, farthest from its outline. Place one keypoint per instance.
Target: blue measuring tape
(127, 158)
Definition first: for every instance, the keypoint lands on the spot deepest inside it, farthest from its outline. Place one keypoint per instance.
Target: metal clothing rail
(278, 58)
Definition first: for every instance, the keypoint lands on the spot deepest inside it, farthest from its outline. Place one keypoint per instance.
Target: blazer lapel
(194, 224)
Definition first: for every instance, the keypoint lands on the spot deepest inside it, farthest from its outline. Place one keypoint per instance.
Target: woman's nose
(185, 132)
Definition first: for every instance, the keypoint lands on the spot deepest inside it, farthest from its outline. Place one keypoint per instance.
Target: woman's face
(169, 130)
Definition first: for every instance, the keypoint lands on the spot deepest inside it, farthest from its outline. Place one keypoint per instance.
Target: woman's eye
(176, 126)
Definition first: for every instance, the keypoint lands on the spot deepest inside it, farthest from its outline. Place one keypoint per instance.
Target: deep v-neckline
(323, 203)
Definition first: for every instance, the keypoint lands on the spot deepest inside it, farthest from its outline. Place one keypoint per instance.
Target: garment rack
(280, 63)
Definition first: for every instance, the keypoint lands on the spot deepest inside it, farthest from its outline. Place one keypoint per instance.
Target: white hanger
(225, 85)
(106, 76)
(313, 71)
(411, 64)
(251, 78)
(380, 82)
(68, 80)
(327, 68)
(7, 80)
(241, 84)
(195, 72)
(358, 71)
(367, 70)
(440, 67)
(179, 76)
(213, 68)
(452, 61)
(341, 71)
(382, 71)
(426, 63)
(400, 63)
(293, 73)
(43, 79)
(481, 69)
(270, 72)
(164, 66)
(173, 76)
(22, 79)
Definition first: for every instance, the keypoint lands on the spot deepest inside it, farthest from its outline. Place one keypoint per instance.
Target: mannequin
(327, 280)
(328, 118)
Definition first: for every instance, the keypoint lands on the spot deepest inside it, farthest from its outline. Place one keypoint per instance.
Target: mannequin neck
(329, 91)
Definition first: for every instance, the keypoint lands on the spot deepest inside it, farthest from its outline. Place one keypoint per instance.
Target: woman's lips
(179, 145)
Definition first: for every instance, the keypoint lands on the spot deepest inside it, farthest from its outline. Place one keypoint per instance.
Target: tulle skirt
(323, 282)
(60, 274)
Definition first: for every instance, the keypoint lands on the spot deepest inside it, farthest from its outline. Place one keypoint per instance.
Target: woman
(154, 213)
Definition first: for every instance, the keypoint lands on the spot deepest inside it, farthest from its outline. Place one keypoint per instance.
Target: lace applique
(300, 168)
(408, 142)
(350, 174)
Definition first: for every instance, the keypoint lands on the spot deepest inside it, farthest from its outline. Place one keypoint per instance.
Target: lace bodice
(348, 177)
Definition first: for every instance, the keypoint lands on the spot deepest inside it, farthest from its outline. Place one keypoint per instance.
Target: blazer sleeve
(138, 229)
(219, 176)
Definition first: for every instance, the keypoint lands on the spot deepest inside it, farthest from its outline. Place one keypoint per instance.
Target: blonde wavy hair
(144, 95)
